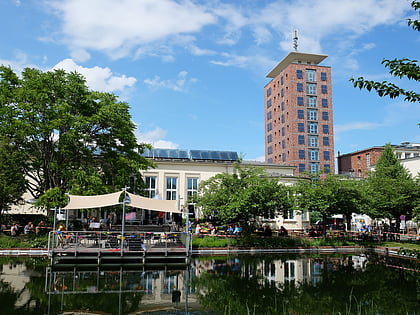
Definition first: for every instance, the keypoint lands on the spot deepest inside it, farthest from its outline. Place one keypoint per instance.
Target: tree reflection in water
(217, 285)
(297, 285)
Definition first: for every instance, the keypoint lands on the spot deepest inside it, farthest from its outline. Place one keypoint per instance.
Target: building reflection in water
(170, 289)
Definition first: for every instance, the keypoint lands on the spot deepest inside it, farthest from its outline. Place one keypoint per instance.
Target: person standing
(108, 223)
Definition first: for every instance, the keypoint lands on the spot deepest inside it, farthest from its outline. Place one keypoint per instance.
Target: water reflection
(278, 284)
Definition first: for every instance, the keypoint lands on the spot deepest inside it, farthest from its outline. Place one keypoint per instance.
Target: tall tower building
(299, 115)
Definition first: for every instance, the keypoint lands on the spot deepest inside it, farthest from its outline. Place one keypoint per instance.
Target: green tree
(392, 192)
(328, 196)
(12, 181)
(74, 139)
(400, 68)
(244, 195)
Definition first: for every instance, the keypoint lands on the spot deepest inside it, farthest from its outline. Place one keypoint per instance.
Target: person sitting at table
(29, 228)
(39, 227)
(237, 230)
(283, 231)
(198, 228)
(267, 231)
(14, 230)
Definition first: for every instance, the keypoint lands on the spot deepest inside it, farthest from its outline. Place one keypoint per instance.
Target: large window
(269, 138)
(326, 155)
(323, 76)
(301, 167)
(311, 101)
(269, 126)
(310, 88)
(325, 129)
(269, 103)
(314, 167)
(171, 184)
(313, 155)
(269, 115)
(269, 91)
(270, 150)
(302, 154)
(313, 141)
(300, 101)
(312, 127)
(192, 187)
(150, 186)
(301, 127)
(301, 139)
(300, 114)
(327, 168)
(299, 74)
(310, 75)
(326, 141)
(289, 214)
(299, 87)
(324, 102)
(324, 89)
(312, 114)
(324, 115)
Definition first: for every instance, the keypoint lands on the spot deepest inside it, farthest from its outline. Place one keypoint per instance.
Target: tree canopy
(12, 180)
(330, 195)
(244, 195)
(391, 190)
(72, 139)
(400, 68)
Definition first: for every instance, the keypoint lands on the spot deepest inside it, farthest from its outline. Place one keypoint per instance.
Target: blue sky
(193, 72)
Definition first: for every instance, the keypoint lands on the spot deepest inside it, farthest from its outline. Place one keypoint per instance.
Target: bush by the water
(24, 241)
(265, 242)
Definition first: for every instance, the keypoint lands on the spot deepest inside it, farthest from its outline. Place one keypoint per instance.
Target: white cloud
(97, 78)
(153, 28)
(358, 125)
(156, 137)
(232, 60)
(80, 55)
(116, 27)
(179, 84)
(19, 63)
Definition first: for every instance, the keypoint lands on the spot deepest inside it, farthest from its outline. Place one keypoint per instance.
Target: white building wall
(202, 170)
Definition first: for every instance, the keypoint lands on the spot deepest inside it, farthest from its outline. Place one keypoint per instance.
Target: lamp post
(123, 219)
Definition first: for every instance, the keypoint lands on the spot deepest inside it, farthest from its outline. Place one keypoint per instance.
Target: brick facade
(299, 114)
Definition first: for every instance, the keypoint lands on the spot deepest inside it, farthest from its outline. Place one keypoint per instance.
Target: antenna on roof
(295, 40)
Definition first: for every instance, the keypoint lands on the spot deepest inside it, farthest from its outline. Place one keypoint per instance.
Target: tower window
(299, 87)
(311, 88)
(301, 127)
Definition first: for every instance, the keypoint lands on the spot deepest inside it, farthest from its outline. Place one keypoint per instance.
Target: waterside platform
(111, 248)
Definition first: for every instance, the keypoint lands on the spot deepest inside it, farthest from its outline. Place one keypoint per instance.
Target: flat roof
(191, 155)
(295, 57)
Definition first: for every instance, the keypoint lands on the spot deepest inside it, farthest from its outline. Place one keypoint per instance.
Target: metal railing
(103, 240)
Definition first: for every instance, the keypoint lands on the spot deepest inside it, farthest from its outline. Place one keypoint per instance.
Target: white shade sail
(153, 204)
(98, 201)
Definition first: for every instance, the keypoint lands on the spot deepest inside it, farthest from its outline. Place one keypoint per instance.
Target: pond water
(268, 284)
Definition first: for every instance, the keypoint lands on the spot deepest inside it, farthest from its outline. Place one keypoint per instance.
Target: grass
(276, 242)
(23, 241)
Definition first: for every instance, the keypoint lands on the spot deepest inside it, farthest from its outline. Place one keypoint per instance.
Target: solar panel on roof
(191, 154)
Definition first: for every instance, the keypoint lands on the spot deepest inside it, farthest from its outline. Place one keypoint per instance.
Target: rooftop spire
(295, 40)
